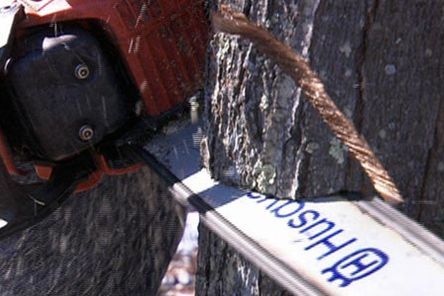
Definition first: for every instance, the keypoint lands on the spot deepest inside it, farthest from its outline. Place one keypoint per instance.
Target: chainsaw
(83, 85)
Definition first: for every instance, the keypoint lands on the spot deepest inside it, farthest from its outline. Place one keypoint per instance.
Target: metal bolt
(86, 133)
(82, 71)
(194, 112)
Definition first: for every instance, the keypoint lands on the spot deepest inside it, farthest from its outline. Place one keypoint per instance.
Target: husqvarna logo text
(323, 239)
(356, 266)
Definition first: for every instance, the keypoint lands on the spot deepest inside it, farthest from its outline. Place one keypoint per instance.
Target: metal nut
(81, 72)
(86, 133)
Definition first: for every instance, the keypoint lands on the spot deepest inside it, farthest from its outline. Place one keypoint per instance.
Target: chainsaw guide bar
(319, 246)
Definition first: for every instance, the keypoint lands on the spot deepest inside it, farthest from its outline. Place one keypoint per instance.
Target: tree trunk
(116, 239)
(381, 62)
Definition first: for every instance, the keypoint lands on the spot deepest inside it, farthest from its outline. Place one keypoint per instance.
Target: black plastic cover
(53, 103)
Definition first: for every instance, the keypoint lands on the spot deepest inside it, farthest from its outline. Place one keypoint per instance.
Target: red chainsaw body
(161, 43)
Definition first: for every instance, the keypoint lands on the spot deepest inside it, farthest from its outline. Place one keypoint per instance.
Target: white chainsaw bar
(329, 245)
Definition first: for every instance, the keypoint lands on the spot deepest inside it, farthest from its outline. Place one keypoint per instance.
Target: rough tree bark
(381, 62)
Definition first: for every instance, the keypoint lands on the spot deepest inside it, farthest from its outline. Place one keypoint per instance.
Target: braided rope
(232, 22)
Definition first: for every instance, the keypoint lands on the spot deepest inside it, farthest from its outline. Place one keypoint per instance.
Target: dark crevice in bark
(269, 9)
(358, 114)
(261, 280)
(360, 60)
(254, 125)
(237, 88)
(305, 159)
(247, 7)
(302, 155)
(293, 145)
(430, 161)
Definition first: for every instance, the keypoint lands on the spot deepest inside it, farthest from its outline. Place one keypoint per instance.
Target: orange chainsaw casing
(161, 43)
